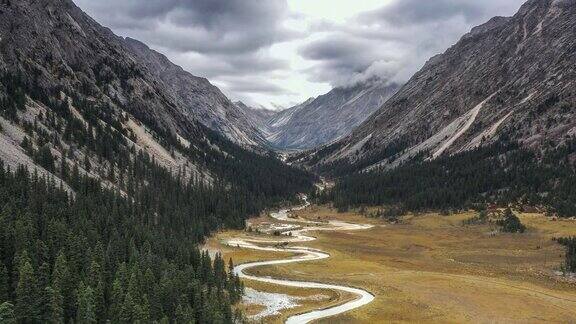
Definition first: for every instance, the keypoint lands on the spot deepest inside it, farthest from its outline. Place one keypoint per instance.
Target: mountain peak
(508, 78)
(488, 26)
(328, 117)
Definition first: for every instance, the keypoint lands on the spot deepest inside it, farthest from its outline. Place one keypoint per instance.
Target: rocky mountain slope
(200, 99)
(326, 118)
(258, 116)
(75, 96)
(511, 78)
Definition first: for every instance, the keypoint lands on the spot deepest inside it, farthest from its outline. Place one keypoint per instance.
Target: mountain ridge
(504, 74)
(73, 94)
(326, 118)
(202, 100)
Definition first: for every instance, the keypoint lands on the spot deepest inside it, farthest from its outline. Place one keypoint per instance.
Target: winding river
(294, 233)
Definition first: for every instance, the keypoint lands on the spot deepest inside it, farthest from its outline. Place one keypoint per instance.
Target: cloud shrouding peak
(394, 41)
(283, 51)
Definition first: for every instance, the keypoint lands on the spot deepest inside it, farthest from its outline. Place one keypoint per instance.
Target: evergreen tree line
(501, 173)
(102, 133)
(97, 256)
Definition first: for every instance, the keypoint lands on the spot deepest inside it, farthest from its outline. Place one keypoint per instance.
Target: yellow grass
(240, 255)
(432, 269)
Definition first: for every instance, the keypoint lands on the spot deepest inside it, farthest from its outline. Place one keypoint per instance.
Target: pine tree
(75, 178)
(230, 268)
(206, 267)
(128, 312)
(56, 306)
(97, 280)
(143, 311)
(4, 284)
(116, 301)
(61, 283)
(7, 315)
(25, 144)
(134, 286)
(44, 282)
(86, 312)
(26, 294)
(219, 271)
(44, 158)
(64, 172)
(184, 314)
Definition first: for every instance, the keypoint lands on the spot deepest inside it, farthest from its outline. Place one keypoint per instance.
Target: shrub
(570, 244)
(481, 218)
(511, 223)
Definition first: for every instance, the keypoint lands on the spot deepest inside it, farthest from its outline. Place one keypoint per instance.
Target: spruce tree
(61, 283)
(4, 284)
(128, 311)
(27, 294)
(116, 301)
(86, 311)
(56, 305)
(44, 282)
(143, 310)
(511, 223)
(97, 281)
(7, 315)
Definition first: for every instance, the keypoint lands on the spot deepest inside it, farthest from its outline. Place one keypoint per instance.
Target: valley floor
(430, 268)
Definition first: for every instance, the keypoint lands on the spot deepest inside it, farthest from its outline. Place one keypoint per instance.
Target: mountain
(75, 94)
(326, 118)
(200, 99)
(109, 182)
(511, 79)
(258, 116)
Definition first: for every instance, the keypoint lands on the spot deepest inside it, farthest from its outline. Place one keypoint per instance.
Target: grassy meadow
(429, 268)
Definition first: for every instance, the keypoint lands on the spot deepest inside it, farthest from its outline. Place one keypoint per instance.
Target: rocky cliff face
(56, 46)
(324, 119)
(73, 92)
(199, 98)
(510, 78)
(257, 116)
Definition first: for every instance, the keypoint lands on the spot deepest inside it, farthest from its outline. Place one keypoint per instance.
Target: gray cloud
(254, 85)
(217, 39)
(393, 42)
(206, 26)
(409, 12)
(226, 65)
(228, 41)
(340, 57)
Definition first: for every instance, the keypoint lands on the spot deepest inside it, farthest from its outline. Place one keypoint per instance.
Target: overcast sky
(281, 52)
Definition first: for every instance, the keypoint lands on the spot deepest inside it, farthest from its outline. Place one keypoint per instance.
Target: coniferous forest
(96, 256)
(501, 173)
(82, 250)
